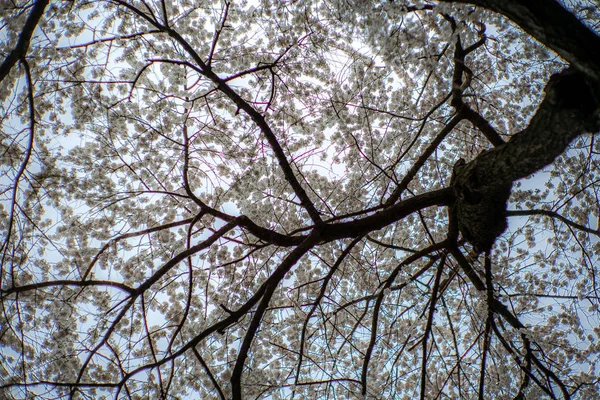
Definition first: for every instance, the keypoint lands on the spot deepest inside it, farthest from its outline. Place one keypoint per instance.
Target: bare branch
(20, 50)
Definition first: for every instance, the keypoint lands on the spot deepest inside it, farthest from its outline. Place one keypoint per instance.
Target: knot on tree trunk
(572, 90)
(480, 205)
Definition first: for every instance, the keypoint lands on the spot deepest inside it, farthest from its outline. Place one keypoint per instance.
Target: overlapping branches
(339, 301)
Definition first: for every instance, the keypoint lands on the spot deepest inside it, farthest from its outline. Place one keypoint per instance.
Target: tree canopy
(332, 199)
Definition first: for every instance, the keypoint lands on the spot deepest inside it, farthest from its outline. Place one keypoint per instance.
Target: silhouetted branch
(20, 50)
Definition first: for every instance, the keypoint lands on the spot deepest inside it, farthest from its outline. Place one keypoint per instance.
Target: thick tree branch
(482, 124)
(570, 108)
(461, 80)
(20, 50)
(383, 218)
(482, 187)
(554, 26)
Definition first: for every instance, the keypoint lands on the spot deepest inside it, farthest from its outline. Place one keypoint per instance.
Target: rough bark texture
(482, 187)
(480, 208)
(570, 108)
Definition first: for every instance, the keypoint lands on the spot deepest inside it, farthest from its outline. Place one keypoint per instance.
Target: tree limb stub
(482, 186)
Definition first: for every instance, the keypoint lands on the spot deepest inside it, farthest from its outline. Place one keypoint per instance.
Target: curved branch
(269, 288)
(242, 104)
(554, 26)
(482, 187)
(553, 214)
(412, 258)
(23, 166)
(20, 50)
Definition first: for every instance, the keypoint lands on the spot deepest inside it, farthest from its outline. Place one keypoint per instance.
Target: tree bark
(571, 108)
(552, 25)
(482, 187)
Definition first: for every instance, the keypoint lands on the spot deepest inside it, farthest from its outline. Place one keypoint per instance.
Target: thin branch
(217, 34)
(66, 282)
(22, 168)
(267, 289)
(525, 368)
(553, 214)
(428, 328)
(488, 322)
(409, 260)
(109, 39)
(433, 145)
(317, 301)
(209, 373)
(128, 236)
(146, 285)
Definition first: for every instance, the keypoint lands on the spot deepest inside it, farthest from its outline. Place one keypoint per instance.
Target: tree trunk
(570, 108)
(482, 187)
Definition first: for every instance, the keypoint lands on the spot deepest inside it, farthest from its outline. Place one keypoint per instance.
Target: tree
(300, 199)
